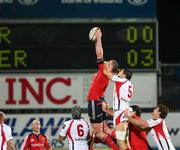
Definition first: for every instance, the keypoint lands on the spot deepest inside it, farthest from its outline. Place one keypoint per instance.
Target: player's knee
(120, 135)
(101, 135)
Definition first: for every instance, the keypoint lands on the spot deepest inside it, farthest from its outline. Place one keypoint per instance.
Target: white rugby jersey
(160, 134)
(5, 135)
(77, 132)
(123, 91)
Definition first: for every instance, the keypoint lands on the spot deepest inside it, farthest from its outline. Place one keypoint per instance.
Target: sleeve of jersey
(116, 78)
(47, 144)
(63, 130)
(8, 133)
(100, 63)
(25, 143)
(152, 122)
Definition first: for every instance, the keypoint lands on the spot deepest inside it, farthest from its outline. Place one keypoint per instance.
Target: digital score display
(66, 46)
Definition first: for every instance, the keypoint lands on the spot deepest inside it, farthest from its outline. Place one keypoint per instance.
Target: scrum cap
(76, 112)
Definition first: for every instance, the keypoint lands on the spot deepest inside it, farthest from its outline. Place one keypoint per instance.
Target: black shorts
(95, 112)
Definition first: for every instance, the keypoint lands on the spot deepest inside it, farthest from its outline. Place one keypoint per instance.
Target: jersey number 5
(130, 91)
(80, 130)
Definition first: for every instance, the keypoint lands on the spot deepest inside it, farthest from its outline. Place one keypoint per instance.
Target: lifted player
(96, 95)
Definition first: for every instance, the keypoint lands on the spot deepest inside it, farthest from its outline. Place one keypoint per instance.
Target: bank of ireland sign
(78, 9)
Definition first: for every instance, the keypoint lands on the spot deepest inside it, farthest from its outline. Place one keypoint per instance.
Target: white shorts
(78, 146)
(119, 116)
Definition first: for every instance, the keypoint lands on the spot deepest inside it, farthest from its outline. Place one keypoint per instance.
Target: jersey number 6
(80, 130)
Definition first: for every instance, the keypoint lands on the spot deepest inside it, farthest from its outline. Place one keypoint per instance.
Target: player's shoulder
(6, 127)
(129, 82)
(84, 121)
(154, 122)
(117, 78)
(68, 122)
(44, 136)
(159, 120)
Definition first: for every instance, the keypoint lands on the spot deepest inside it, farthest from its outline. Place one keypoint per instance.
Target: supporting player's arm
(142, 124)
(106, 109)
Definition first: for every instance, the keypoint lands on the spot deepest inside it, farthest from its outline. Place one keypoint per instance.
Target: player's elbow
(99, 54)
(61, 138)
(144, 126)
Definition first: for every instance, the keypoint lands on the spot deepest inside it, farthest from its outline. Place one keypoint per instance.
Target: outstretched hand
(98, 34)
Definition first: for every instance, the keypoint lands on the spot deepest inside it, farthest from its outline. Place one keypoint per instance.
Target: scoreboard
(65, 46)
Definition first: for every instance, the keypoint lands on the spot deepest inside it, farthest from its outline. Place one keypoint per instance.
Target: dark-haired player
(137, 137)
(122, 95)
(36, 140)
(156, 125)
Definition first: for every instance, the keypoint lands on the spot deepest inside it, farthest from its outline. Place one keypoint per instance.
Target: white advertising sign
(50, 126)
(63, 90)
(52, 123)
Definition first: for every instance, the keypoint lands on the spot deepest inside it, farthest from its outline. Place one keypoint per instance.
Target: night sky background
(168, 12)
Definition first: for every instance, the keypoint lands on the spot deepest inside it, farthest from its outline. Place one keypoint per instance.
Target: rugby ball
(92, 33)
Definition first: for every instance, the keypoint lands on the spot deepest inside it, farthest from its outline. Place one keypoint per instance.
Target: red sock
(108, 140)
(128, 149)
(113, 135)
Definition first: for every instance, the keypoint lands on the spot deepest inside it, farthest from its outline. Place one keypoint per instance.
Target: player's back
(77, 133)
(98, 85)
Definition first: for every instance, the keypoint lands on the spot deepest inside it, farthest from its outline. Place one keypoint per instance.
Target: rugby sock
(128, 149)
(108, 140)
(113, 135)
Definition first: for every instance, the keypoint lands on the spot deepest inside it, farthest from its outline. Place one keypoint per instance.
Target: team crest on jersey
(43, 138)
(32, 140)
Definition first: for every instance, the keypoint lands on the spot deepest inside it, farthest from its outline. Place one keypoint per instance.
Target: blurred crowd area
(169, 86)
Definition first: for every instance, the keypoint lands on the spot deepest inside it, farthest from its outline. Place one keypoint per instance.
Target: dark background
(169, 31)
(169, 52)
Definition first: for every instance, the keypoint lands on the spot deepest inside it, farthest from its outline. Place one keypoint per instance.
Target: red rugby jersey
(98, 85)
(35, 142)
(137, 137)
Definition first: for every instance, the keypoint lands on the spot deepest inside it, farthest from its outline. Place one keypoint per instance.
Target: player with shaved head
(36, 140)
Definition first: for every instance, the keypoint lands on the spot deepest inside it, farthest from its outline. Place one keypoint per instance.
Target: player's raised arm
(98, 45)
